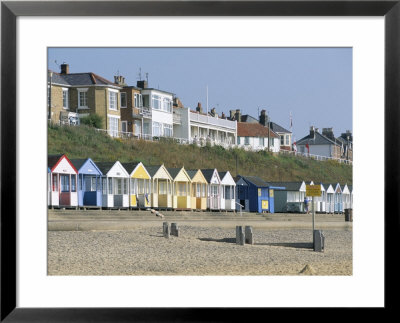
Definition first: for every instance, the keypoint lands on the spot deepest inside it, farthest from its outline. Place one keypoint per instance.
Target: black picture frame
(10, 10)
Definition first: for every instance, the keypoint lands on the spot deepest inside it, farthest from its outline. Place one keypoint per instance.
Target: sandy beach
(136, 246)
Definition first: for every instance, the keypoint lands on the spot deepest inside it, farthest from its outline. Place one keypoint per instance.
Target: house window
(82, 98)
(167, 105)
(247, 140)
(271, 142)
(139, 100)
(282, 140)
(113, 126)
(112, 100)
(167, 129)
(238, 140)
(64, 182)
(287, 140)
(261, 141)
(156, 102)
(124, 126)
(123, 100)
(65, 98)
(156, 129)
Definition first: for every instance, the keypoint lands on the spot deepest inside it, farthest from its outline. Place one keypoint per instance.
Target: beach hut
(320, 201)
(228, 190)
(139, 185)
(214, 188)
(89, 183)
(161, 183)
(199, 189)
(330, 198)
(63, 181)
(338, 208)
(114, 185)
(290, 199)
(181, 187)
(242, 194)
(346, 197)
(261, 194)
(351, 195)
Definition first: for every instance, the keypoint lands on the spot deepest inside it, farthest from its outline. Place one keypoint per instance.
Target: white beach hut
(228, 191)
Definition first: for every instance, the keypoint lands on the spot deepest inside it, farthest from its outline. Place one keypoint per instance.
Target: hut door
(214, 196)
(65, 196)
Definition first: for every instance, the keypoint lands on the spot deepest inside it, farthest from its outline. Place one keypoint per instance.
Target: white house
(159, 105)
(201, 128)
(254, 136)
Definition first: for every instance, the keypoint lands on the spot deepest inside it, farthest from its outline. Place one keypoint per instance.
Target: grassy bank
(84, 142)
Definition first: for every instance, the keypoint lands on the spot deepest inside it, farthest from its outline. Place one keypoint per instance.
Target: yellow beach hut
(199, 190)
(161, 187)
(181, 188)
(139, 185)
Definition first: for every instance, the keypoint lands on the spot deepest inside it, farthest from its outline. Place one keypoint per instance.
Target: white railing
(212, 121)
(315, 157)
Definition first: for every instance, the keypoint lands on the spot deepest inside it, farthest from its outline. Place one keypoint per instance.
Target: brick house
(84, 94)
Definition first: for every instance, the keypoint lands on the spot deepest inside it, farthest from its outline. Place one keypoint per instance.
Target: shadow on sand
(298, 245)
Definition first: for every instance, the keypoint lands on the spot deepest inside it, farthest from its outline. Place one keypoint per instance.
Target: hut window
(55, 183)
(64, 181)
(182, 189)
(73, 183)
(198, 191)
(162, 188)
(203, 190)
(227, 192)
(94, 184)
(141, 186)
(110, 186)
(104, 186)
(118, 186)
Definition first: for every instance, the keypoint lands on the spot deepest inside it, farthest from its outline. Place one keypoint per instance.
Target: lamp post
(51, 76)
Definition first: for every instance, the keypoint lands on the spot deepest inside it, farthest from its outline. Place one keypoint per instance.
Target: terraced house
(72, 95)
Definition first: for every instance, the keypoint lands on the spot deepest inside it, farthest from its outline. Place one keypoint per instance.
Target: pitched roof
(248, 118)
(105, 166)
(255, 180)
(249, 129)
(191, 172)
(129, 167)
(52, 160)
(277, 128)
(317, 139)
(78, 163)
(208, 173)
(174, 171)
(290, 186)
(153, 169)
(74, 79)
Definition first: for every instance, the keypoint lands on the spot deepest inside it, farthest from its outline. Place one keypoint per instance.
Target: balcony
(142, 112)
(208, 120)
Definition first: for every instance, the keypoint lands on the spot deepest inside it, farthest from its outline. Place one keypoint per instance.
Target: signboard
(264, 204)
(259, 192)
(313, 190)
(271, 193)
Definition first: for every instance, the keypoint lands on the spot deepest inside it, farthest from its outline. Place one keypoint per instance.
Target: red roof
(249, 129)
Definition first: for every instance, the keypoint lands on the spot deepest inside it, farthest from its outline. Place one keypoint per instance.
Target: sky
(313, 85)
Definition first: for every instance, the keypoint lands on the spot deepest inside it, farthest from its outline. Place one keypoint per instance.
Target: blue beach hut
(261, 194)
(89, 183)
(242, 194)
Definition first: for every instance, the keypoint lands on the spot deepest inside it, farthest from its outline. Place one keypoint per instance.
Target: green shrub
(93, 120)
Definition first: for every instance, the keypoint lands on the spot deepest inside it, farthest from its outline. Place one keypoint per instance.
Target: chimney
(263, 118)
(328, 132)
(119, 79)
(238, 115)
(232, 114)
(213, 112)
(64, 69)
(142, 84)
(199, 108)
(312, 132)
(223, 116)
